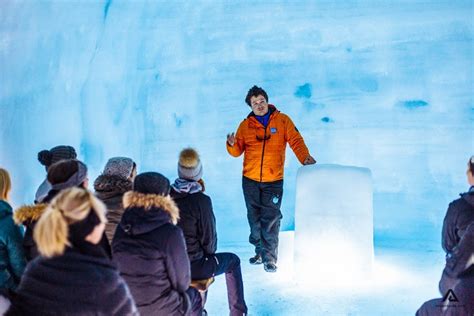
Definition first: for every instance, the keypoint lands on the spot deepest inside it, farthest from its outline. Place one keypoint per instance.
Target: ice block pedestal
(333, 224)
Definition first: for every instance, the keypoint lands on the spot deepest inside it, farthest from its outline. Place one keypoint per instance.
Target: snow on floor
(405, 275)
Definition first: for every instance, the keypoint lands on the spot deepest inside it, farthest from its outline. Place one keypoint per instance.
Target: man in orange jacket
(262, 137)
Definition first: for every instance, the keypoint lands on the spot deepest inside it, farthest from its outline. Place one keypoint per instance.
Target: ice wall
(383, 85)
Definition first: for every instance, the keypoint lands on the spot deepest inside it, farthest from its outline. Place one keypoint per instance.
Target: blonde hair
(5, 184)
(68, 207)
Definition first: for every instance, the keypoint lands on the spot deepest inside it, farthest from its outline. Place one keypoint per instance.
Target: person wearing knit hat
(189, 172)
(198, 223)
(116, 179)
(47, 158)
(189, 165)
(62, 175)
(150, 250)
(66, 174)
(152, 183)
(55, 154)
(119, 166)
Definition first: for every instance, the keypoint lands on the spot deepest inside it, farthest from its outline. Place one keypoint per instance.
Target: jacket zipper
(263, 149)
(263, 152)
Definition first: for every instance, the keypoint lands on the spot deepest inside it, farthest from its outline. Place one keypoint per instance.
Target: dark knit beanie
(55, 154)
(67, 174)
(189, 165)
(151, 183)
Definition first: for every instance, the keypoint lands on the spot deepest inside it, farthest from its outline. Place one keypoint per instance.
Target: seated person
(151, 252)
(199, 226)
(73, 274)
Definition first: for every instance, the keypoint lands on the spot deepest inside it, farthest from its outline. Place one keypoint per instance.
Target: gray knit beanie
(119, 166)
(189, 165)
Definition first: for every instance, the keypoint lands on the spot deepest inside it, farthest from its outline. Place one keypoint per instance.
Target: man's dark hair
(255, 92)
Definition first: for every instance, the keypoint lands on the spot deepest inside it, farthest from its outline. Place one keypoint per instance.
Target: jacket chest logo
(273, 130)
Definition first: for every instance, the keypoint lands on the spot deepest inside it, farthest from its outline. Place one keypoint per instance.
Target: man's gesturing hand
(231, 139)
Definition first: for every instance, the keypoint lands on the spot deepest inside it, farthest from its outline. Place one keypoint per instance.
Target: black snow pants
(219, 263)
(263, 201)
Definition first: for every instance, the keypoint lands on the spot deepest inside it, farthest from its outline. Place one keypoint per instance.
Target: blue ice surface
(304, 91)
(145, 79)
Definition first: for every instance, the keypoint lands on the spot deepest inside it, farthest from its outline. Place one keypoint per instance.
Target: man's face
(259, 105)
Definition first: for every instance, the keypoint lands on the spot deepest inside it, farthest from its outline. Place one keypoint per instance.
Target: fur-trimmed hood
(28, 213)
(146, 212)
(112, 183)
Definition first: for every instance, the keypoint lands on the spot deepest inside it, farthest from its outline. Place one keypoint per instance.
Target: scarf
(186, 186)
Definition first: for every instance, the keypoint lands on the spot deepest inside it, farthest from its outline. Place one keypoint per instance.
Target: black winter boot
(257, 259)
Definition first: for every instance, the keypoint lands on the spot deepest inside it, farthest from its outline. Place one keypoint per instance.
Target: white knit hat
(189, 165)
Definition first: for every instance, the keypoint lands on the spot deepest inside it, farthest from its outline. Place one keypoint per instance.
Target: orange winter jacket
(264, 148)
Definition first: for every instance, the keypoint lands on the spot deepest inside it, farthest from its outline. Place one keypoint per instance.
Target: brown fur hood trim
(28, 213)
(148, 201)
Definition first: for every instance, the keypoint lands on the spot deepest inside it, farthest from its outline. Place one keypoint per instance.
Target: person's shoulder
(458, 204)
(170, 229)
(244, 122)
(201, 195)
(454, 204)
(281, 115)
(172, 234)
(204, 198)
(7, 225)
(463, 197)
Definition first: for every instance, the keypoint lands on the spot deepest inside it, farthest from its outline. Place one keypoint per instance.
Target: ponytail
(68, 207)
(51, 233)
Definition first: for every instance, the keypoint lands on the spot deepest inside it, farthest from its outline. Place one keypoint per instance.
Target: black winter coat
(459, 264)
(459, 216)
(110, 190)
(151, 254)
(72, 284)
(198, 223)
